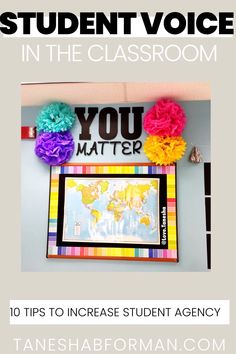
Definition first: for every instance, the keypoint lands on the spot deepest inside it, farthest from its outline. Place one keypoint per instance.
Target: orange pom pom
(164, 150)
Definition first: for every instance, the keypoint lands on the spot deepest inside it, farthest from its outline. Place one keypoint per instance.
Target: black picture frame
(163, 223)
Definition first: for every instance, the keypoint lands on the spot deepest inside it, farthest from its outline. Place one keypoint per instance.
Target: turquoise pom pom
(55, 118)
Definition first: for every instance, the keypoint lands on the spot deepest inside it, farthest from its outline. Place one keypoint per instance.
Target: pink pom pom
(166, 118)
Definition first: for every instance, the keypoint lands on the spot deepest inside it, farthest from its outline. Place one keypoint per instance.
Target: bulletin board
(192, 225)
(121, 212)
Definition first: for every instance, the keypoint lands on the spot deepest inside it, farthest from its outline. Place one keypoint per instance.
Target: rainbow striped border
(140, 254)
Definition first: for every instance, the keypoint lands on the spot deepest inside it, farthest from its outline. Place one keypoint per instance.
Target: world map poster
(123, 210)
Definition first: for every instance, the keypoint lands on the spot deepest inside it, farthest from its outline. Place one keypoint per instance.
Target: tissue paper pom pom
(164, 151)
(55, 117)
(54, 148)
(166, 118)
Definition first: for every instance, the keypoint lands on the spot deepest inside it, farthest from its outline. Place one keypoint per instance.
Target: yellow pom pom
(164, 150)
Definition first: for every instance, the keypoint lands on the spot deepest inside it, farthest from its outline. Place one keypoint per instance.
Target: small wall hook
(195, 155)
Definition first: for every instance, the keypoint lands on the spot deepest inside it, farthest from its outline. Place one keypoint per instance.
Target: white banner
(119, 312)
